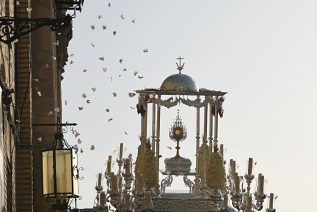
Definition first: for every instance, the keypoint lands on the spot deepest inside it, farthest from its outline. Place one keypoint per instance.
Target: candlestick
(130, 158)
(250, 165)
(271, 201)
(114, 183)
(260, 184)
(127, 166)
(108, 171)
(121, 151)
(236, 183)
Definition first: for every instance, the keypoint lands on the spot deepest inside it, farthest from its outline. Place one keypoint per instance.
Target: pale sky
(262, 52)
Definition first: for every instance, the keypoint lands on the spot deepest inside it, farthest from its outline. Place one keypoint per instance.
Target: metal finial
(180, 66)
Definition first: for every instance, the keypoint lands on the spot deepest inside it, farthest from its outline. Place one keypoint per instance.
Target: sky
(263, 53)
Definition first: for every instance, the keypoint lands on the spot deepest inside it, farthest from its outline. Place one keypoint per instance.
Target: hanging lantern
(60, 173)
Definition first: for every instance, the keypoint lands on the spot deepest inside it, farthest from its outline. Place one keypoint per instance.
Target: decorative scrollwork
(189, 183)
(166, 182)
(12, 28)
(168, 103)
(76, 171)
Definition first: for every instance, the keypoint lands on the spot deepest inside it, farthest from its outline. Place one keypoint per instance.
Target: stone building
(31, 67)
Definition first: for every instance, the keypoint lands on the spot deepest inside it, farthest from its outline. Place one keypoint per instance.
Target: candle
(130, 157)
(121, 151)
(260, 184)
(221, 150)
(233, 167)
(99, 180)
(250, 166)
(271, 201)
(109, 165)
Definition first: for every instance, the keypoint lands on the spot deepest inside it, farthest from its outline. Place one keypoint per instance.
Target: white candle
(237, 183)
(109, 165)
(99, 180)
(233, 167)
(260, 184)
(121, 151)
(250, 166)
(271, 201)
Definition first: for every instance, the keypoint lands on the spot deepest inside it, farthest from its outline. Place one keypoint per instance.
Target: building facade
(31, 69)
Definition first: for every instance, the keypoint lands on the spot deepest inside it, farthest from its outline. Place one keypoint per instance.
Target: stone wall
(24, 159)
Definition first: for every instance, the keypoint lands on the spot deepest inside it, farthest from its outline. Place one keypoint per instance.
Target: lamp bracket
(52, 124)
(69, 4)
(12, 28)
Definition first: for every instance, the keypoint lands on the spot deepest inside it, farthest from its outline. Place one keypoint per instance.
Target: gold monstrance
(178, 133)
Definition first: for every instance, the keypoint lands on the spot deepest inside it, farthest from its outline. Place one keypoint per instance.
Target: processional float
(210, 190)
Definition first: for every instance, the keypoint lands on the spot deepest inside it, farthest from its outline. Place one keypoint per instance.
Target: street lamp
(60, 172)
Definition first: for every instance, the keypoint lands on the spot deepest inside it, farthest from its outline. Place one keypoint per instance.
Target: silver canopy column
(216, 124)
(210, 122)
(153, 122)
(158, 123)
(142, 108)
(197, 138)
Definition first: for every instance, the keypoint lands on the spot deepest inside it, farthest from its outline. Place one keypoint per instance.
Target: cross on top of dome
(180, 66)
